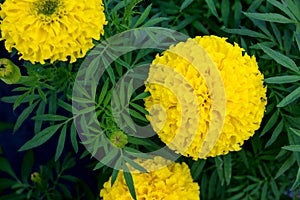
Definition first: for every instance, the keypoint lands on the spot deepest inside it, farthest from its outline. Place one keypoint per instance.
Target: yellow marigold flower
(51, 29)
(173, 182)
(245, 97)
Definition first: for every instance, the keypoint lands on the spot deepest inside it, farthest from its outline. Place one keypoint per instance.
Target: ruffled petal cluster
(244, 89)
(51, 30)
(173, 182)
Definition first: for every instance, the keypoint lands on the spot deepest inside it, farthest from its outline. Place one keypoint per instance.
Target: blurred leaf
(212, 7)
(185, 4)
(73, 136)
(27, 165)
(6, 167)
(292, 148)
(270, 17)
(297, 181)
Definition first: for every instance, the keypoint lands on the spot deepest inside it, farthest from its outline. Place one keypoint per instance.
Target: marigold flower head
(244, 90)
(173, 182)
(51, 29)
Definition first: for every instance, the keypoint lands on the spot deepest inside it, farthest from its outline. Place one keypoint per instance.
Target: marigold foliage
(173, 182)
(51, 29)
(245, 97)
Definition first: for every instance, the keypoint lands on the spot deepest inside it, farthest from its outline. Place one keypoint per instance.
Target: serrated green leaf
(270, 17)
(27, 165)
(41, 137)
(282, 79)
(24, 115)
(61, 142)
(129, 181)
(293, 96)
(286, 165)
(281, 59)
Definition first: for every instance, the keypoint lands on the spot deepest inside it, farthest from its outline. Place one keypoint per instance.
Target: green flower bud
(36, 178)
(119, 139)
(9, 72)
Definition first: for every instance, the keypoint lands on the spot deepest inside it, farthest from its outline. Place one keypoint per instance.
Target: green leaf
(154, 21)
(227, 168)
(220, 171)
(41, 137)
(139, 108)
(6, 183)
(290, 98)
(114, 176)
(21, 99)
(50, 117)
(295, 131)
(40, 110)
(292, 148)
(141, 96)
(245, 32)
(225, 11)
(61, 142)
(143, 16)
(286, 165)
(185, 4)
(297, 181)
(282, 7)
(138, 115)
(282, 79)
(6, 167)
(273, 119)
(74, 137)
(281, 59)
(42, 94)
(129, 181)
(275, 133)
(197, 168)
(27, 165)
(212, 7)
(64, 105)
(135, 165)
(24, 115)
(270, 17)
(103, 92)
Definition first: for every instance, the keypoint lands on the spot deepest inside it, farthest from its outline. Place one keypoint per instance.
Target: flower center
(47, 7)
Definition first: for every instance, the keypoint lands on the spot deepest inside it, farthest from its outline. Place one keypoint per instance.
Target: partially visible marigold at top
(244, 90)
(42, 30)
(170, 182)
